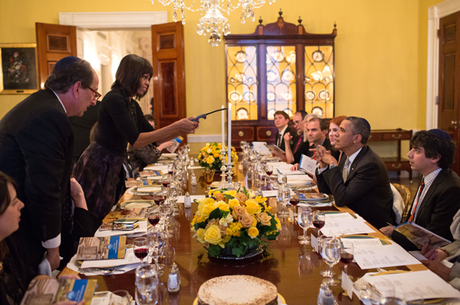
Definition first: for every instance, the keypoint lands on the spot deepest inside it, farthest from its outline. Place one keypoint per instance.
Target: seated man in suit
(315, 131)
(360, 181)
(281, 122)
(438, 196)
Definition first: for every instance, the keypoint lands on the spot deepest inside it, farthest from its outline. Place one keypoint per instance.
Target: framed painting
(18, 68)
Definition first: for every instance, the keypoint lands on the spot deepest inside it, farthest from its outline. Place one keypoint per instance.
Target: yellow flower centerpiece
(234, 223)
(210, 157)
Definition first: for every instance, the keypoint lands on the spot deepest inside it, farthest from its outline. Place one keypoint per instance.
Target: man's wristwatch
(332, 166)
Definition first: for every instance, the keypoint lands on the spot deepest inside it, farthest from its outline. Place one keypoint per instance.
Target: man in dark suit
(36, 145)
(360, 181)
(438, 196)
(281, 122)
(315, 132)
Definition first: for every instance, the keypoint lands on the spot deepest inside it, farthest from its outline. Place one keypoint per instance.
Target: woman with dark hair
(13, 272)
(120, 121)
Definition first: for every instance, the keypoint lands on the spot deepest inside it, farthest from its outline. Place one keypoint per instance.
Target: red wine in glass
(141, 253)
(346, 257)
(166, 183)
(171, 172)
(318, 223)
(294, 201)
(159, 199)
(269, 173)
(154, 220)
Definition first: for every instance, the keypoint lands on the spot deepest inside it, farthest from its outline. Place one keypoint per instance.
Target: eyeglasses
(97, 95)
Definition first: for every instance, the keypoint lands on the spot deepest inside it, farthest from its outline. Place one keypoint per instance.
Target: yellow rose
(233, 203)
(231, 193)
(222, 206)
(278, 223)
(209, 150)
(247, 220)
(264, 218)
(219, 196)
(213, 235)
(216, 154)
(219, 145)
(238, 211)
(205, 201)
(253, 232)
(210, 160)
(207, 209)
(253, 207)
(199, 235)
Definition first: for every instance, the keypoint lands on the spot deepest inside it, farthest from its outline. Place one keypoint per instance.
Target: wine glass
(156, 243)
(305, 222)
(331, 255)
(171, 169)
(319, 220)
(294, 201)
(159, 198)
(346, 255)
(146, 285)
(166, 181)
(154, 218)
(269, 171)
(140, 248)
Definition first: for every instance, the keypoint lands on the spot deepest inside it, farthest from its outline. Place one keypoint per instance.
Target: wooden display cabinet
(278, 67)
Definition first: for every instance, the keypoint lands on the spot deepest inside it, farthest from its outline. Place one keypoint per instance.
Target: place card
(347, 285)
(314, 242)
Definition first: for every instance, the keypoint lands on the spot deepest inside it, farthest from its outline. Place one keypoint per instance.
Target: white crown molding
(191, 138)
(435, 13)
(103, 20)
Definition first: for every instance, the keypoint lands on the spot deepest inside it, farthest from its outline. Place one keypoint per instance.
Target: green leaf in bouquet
(216, 213)
(214, 250)
(228, 196)
(239, 251)
(224, 213)
(199, 225)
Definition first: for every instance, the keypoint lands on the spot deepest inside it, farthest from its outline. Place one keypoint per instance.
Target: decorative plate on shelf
(272, 76)
(317, 56)
(271, 96)
(240, 77)
(242, 114)
(232, 79)
(307, 79)
(310, 95)
(323, 95)
(278, 56)
(328, 79)
(234, 96)
(271, 113)
(291, 57)
(317, 76)
(288, 111)
(248, 96)
(318, 111)
(240, 56)
(287, 96)
(288, 76)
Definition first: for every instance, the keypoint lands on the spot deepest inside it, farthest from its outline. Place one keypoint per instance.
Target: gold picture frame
(18, 68)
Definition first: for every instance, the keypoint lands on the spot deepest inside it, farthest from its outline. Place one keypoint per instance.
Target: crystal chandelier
(212, 22)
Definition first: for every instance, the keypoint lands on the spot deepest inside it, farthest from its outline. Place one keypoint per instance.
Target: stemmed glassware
(347, 255)
(269, 172)
(331, 254)
(154, 218)
(319, 220)
(304, 220)
(156, 244)
(140, 248)
(294, 201)
(146, 285)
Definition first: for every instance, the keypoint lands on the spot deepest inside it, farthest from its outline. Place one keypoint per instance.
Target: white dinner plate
(169, 155)
(136, 204)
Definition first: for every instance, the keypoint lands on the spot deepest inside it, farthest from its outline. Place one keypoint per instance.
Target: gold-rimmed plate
(240, 56)
(281, 300)
(234, 96)
(137, 204)
(310, 95)
(324, 95)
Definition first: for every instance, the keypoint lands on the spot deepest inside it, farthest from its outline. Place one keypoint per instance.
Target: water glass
(121, 297)
(304, 220)
(146, 285)
(331, 255)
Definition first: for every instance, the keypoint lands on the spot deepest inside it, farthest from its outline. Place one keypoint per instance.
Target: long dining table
(292, 267)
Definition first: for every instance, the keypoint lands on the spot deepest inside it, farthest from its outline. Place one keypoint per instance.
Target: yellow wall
(381, 50)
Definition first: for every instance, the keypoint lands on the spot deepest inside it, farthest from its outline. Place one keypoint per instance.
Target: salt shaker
(321, 293)
(187, 200)
(193, 179)
(328, 298)
(174, 278)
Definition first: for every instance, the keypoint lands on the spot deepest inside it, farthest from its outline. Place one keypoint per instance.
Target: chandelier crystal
(213, 22)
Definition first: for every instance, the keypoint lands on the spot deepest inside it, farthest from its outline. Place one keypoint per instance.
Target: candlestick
(229, 131)
(223, 129)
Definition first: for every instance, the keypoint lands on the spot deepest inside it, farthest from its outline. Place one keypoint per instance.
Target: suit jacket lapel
(431, 190)
(355, 163)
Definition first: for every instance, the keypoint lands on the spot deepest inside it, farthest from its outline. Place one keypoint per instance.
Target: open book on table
(95, 248)
(419, 235)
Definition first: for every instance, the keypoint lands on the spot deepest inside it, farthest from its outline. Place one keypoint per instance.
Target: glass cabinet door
(319, 80)
(281, 80)
(242, 82)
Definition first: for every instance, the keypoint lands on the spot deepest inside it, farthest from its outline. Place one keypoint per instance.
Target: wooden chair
(406, 195)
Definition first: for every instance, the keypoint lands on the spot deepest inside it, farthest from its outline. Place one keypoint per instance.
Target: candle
(229, 131)
(223, 129)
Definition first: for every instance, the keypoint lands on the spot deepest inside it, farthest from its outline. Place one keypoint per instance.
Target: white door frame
(435, 13)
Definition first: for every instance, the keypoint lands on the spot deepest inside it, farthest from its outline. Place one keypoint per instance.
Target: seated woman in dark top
(120, 121)
(13, 272)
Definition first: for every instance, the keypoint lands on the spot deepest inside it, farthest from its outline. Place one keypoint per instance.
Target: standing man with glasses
(36, 145)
